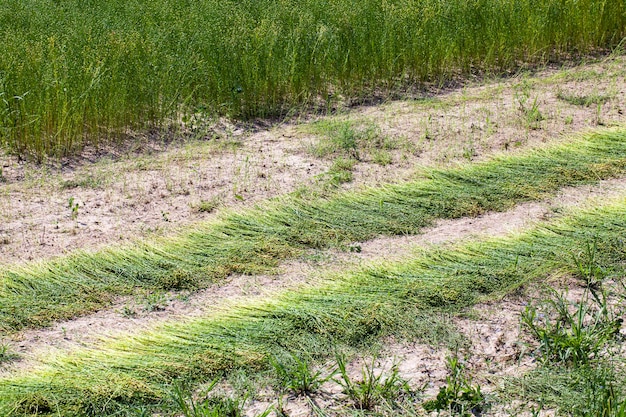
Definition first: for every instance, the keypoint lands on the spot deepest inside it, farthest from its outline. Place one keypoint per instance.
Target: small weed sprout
(128, 312)
(155, 301)
(298, 376)
(348, 138)
(458, 396)
(210, 406)
(341, 171)
(587, 266)
(6, 353)
(573, 333)
(372, 389)
(532, 115)
(73, 206)
(207, 206)
(584, 100)
(382, 157)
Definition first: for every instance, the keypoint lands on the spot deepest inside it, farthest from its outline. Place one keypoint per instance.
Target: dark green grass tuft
(256, 240)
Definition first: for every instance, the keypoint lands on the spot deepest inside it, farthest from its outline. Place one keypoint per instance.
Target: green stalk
(80, 72)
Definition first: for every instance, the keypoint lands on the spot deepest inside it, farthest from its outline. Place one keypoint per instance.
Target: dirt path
(165, 184)
(147, 310)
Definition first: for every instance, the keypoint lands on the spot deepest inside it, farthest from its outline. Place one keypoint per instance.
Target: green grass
(254, 241)
(347, 310)
(585, 100)
(76, 72)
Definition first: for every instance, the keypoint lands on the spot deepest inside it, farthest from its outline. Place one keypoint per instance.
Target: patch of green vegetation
(349, 310)
(254, 241)
(459, 396)
(531, 115)
(341, 137)
(352, 139)
(6, 353)
(382, 157)
(573, 333)
(297, 375)
(341, 171)
(578, 343)
(209, 405)
(583, 391)
(585, 100)
(79, 72)
(373, 387)
(88, 181)
(207, 206)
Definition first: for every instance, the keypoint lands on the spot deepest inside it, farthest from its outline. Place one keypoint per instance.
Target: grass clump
(577, 333)
(573, 334)
(458, 396)
(582, 391)
(210, 405)
(298, 376)
(342, 137)
(382, 158)
(6, 353)
(578, 343)
(372, 389)
(208, 206)
(340, 171)
(584, 100)
(351, 139)
(255, 241)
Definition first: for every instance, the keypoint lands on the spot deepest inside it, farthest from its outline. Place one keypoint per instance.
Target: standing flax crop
(76, 72)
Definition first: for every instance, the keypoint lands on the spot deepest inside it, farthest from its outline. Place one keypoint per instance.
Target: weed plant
(210, 406)
(596, 390)
(372, 389)
(298, 376)
(458, 396)
(572, 337)
(6, 353)
(76, 72)
(585, 100)
(579, 345)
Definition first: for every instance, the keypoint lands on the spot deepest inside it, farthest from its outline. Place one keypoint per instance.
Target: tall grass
(256, 240)
(348, 309)
(81, 71)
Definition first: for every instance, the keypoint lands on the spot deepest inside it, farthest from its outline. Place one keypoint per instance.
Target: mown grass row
(80, 71)
(256, 240)
(351, 309)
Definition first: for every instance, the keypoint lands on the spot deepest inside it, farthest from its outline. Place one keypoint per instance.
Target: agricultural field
(281, 208)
